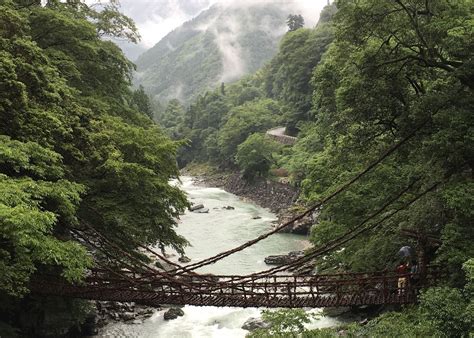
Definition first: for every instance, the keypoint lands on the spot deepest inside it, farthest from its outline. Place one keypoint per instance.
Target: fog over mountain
(221, 44)
(157, 18)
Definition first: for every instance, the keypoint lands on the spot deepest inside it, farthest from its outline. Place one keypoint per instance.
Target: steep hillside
(220, 45)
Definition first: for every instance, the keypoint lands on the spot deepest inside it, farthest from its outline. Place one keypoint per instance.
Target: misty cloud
(228, 40)
(235, 14)
(157, 18)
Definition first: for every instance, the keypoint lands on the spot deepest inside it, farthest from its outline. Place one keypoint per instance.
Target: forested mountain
(78, 149)
(389, 82)
(279, 93)
(221, 44)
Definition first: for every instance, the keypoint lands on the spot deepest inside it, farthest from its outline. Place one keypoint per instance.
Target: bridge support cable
(151, 270)
(310, 210)
(138, 245)
(146, 282)
(145, 278)
(106, 253)
(347, 237)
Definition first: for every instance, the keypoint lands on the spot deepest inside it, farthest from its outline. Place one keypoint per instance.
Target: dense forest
(370, 76)
(78, 147)
(385, 81)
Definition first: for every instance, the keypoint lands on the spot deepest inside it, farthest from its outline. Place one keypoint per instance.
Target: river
(209, 234)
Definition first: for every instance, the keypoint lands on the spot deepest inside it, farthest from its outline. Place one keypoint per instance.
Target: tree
(288, 76)
(414, 34)
(171, 119)
(294, 22)
(255, 156)
(283, 323)
(141, 102)
(244, 120)
(360, 106)
(74, 153)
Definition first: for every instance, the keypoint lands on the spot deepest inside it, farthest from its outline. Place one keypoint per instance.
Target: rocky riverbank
(125, 312)
(266, 193)
(280, 198)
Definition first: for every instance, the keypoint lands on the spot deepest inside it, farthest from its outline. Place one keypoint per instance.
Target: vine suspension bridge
(128, 278)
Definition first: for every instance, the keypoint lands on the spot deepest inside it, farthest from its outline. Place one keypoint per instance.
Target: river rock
(201, 211)
(184, 259)
(196, 207)
(283, 259)
(90, 325)
(228, 207)
(300, 227)
(256, 217)
(173, 313)
(253, 324)
(127, 316)
(277, 260)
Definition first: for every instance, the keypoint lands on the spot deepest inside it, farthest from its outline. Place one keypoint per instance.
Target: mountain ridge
(221, 44)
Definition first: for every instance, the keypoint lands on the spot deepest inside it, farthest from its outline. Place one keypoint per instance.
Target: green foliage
(218, 121)
(172, 118)
(354, 86)
(255, 155)
(408, 323)
(392, 67)
(294, 22)
(46, 316)
(469, 293)
(142, 102)
(365, 100)
(443, 312)
(244, 120)
(444, 308)
(283, 323)
(288, 75)
(34, 199)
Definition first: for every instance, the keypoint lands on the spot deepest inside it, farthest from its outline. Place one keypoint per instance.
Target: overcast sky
(157, 18)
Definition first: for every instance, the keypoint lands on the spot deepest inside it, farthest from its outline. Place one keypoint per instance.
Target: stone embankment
(275, 196)
(278, 197)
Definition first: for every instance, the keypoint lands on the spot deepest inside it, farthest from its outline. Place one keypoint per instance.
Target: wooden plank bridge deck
(237, 291)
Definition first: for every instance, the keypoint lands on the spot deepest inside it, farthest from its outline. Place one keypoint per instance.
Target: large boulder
(277, 259)
(202, 211)
(90, 325)
(173, 313)
(283, 259)
(184, 259)
(253, 324)
(196, 207)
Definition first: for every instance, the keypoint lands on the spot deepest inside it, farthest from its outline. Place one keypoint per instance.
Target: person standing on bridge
(402, 270)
